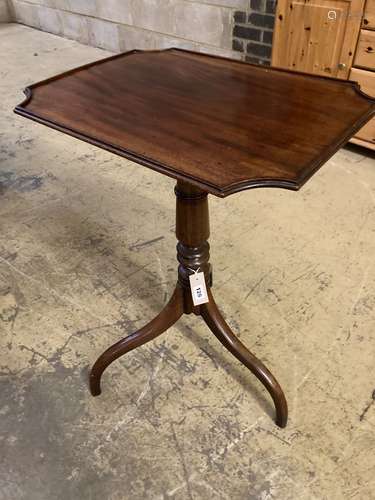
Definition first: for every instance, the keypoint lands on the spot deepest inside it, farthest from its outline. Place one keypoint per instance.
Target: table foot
(222, 331)
(164, 320)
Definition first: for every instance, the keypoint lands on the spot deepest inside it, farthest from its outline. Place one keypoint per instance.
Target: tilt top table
(216, 125)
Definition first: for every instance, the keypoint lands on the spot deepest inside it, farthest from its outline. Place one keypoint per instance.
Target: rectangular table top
(220, 124)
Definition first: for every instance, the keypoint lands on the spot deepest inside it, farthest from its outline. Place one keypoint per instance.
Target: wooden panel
(367, 133)
(222, 124)
(366, 80)
(369, 16)
(317, 36)
(364, 144)
(365, 55)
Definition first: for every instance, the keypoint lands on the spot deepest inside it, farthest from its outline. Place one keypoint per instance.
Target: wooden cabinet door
(317, 36)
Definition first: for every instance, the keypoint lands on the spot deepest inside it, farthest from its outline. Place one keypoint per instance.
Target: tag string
(193, 270)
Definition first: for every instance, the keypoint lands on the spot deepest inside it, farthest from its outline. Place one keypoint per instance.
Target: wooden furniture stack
(335, 38)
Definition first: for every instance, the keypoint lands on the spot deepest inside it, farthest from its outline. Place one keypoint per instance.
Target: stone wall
(239, 29)
(4, 12)
(119, 25)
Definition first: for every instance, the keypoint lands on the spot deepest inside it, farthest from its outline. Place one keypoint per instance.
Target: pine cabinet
(366, 79)
(363, 70)
(334, 38)
(317, 36)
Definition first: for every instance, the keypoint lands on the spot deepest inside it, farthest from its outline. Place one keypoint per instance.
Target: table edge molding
(354, 84)
(220, 191)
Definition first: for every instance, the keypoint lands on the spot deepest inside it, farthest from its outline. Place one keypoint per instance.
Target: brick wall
(119, 25)
(253, 31)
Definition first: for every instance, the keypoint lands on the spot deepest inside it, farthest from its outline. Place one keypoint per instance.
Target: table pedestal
(192, 231)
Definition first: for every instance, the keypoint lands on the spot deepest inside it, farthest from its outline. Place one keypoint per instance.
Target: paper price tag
(198, 288)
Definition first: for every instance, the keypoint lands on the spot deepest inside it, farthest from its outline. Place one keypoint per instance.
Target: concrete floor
(87, 255)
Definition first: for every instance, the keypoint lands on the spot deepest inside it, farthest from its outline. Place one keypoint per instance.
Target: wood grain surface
(217, 123)
(317, 36)
(368, 21)
(365, 54)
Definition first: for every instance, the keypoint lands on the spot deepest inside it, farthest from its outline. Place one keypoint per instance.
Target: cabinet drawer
(365, 55)
(368, 21)
(366, 80)
(367, 133)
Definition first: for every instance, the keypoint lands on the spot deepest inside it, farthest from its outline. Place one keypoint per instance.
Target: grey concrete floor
(87, 255)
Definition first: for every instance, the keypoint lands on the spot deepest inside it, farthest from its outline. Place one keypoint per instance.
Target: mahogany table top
(220, 124)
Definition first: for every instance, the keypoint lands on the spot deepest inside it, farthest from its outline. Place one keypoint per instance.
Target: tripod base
(192, 252)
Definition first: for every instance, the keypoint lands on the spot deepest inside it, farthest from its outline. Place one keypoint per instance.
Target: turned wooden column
(192, 232)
